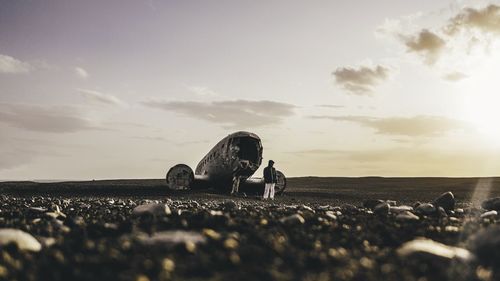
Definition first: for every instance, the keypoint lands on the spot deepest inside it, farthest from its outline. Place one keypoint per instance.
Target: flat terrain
(335, 190)
(321, 229)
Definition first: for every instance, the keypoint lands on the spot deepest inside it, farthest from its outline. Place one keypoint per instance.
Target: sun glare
(483, 112)
(481, 92)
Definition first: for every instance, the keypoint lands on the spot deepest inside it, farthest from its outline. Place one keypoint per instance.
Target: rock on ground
(23, 240)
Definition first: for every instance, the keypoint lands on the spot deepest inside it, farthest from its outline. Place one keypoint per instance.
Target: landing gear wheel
(280, 186)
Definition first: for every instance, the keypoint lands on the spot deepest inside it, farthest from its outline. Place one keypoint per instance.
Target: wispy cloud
(151, 138)
(404, 161)
(360, 80)
(50, 119)
(427, 44)
(486, 20)
(234, 113)
(81, 73)
(335, 106)
(99, 97)
(11, 65)
(465, 29)
(202, 91)
(416, 126)
(455, 76)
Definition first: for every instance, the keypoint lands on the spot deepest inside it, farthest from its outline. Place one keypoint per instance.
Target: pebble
(307, 208)
(349, 208)
(23, 240)
(211, 233)
(382, 209)
(372, 203)
(441, 212)
(37, 210)
(491, 204)
(168, 265)
(231, 243)
(331, 215)
(426, 209)
(489, 215)
(292, 220)
(400, 209)
(153, 209)
(427, 248)
(254, 240)
(486, 246)
(391, 202)
(172, 237)
(324, 207)
(230, 205)
(445, 200)
(407, 216)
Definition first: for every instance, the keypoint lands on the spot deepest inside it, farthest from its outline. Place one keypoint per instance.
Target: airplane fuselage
(235, 158)
(238, 154)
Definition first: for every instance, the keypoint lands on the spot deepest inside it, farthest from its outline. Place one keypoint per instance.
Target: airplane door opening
(249, 149)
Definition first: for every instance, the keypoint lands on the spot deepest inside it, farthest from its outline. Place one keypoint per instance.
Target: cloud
(202, 91)
(50, 119)
(151, 138)
(484, 20)
(13, 66)
(13, 157)
(427, 44)
(402, 161)
(98, 97)
(330, 106)
(455, 76)
(467, 28)
(81, 73)
(360, 80)
(236, 113)
(417, 126)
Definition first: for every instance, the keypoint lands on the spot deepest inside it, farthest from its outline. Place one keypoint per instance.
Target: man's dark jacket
(270, 175)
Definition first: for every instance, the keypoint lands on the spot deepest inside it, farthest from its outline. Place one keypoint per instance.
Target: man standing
(270, 180)
(236, 179)
(236, 185)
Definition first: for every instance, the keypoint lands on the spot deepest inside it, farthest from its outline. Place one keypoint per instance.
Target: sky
(127, 89)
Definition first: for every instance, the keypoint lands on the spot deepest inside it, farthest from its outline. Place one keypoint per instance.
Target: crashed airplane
(238, 155)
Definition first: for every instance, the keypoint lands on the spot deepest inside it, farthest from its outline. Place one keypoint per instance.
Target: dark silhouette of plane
(237, 155)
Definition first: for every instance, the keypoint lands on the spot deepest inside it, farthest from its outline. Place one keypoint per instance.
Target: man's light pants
(269, 191)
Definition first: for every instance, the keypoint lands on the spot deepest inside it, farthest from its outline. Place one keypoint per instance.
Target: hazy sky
(127, 89)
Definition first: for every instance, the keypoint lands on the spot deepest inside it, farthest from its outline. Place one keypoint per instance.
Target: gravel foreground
(181, 238)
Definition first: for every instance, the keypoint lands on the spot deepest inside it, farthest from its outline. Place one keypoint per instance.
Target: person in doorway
(236, 185)
(270, 180)
(236, 179)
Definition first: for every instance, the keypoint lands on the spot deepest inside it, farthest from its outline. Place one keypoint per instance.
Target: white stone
(407, 216)
(400, 209)
(293, 219)
(23, 240)
(153, 209)
(426, 209)
(430, 248)
(173, 237)
(489, 214)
